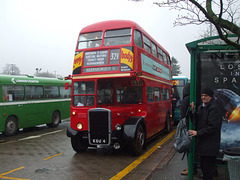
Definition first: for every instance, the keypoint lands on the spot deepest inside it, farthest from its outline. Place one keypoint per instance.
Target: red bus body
(121, 85)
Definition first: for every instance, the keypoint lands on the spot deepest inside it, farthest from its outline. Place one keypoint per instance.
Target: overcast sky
(43, 33)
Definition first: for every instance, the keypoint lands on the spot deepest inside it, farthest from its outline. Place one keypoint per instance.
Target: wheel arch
(130, 127)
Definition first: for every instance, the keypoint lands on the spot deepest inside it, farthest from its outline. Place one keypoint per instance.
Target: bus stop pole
(192, 99)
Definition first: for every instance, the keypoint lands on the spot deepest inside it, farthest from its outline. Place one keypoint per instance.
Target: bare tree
(46, 74)
(11, 69)
(222, 14)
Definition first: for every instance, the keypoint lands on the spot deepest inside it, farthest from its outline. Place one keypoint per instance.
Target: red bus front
(117, 99)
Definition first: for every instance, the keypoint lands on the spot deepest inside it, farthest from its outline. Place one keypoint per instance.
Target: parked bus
(27, 101)
(121, 86)
(179, 83)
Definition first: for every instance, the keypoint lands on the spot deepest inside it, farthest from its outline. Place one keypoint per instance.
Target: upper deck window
(117, 37)
(160, 54)
(169, 60)
(90, 40)
(165, 58)
(147, 44)
(138, 38)
(154, 49)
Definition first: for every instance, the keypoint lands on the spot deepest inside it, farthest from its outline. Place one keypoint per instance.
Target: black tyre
(78, 144)
(139, 141)
(11, 126)
(56, 119)
(168, 123)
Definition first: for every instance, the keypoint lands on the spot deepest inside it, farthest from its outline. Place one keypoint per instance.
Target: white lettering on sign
(23, 81)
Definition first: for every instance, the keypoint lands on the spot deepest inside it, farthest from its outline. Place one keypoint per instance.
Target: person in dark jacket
(183, 111)
(175, 98)
(185, 102)
(208, 133)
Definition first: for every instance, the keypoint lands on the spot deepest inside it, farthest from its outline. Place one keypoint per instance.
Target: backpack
(182, 139)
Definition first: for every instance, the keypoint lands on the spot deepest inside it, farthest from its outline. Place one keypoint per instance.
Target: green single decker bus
(27, 101)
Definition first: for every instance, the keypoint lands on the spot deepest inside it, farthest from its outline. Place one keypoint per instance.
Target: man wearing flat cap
(209, 121)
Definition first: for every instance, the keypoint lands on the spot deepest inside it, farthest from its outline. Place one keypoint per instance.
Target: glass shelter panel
(224, 81)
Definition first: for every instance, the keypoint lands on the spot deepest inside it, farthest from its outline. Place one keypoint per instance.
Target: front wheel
(78, 145)
(11, 126)
(139, 141)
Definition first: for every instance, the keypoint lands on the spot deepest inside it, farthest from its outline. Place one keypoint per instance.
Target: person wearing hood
(185, 103)
(183, 111)
(175, 97)
(208, 132)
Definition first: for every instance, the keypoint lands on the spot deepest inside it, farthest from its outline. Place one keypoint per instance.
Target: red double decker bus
(121, 85)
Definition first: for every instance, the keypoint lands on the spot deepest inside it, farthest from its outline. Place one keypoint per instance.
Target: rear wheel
(139, 141)
(11, 126)
(78, 145)
(56, 119)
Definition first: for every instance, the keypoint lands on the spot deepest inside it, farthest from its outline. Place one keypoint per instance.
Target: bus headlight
(73, 113)
(118, 127)
(79, 126)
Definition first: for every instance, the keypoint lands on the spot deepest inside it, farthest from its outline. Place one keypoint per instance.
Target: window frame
(147, 44)
(117, 36)
(154, 49)
(90, 40)
(140, 39)
(34, 96)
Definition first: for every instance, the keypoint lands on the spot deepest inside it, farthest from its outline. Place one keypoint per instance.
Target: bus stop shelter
(217, 65)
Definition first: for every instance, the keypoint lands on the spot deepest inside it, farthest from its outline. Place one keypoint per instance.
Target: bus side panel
(156, 117)
(65, 109)
(33, 113)
(26, 114)
(163, 113)
(152, 119)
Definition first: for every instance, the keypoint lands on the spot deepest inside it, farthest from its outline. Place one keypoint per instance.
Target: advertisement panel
(155, 68)
(221, 72)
